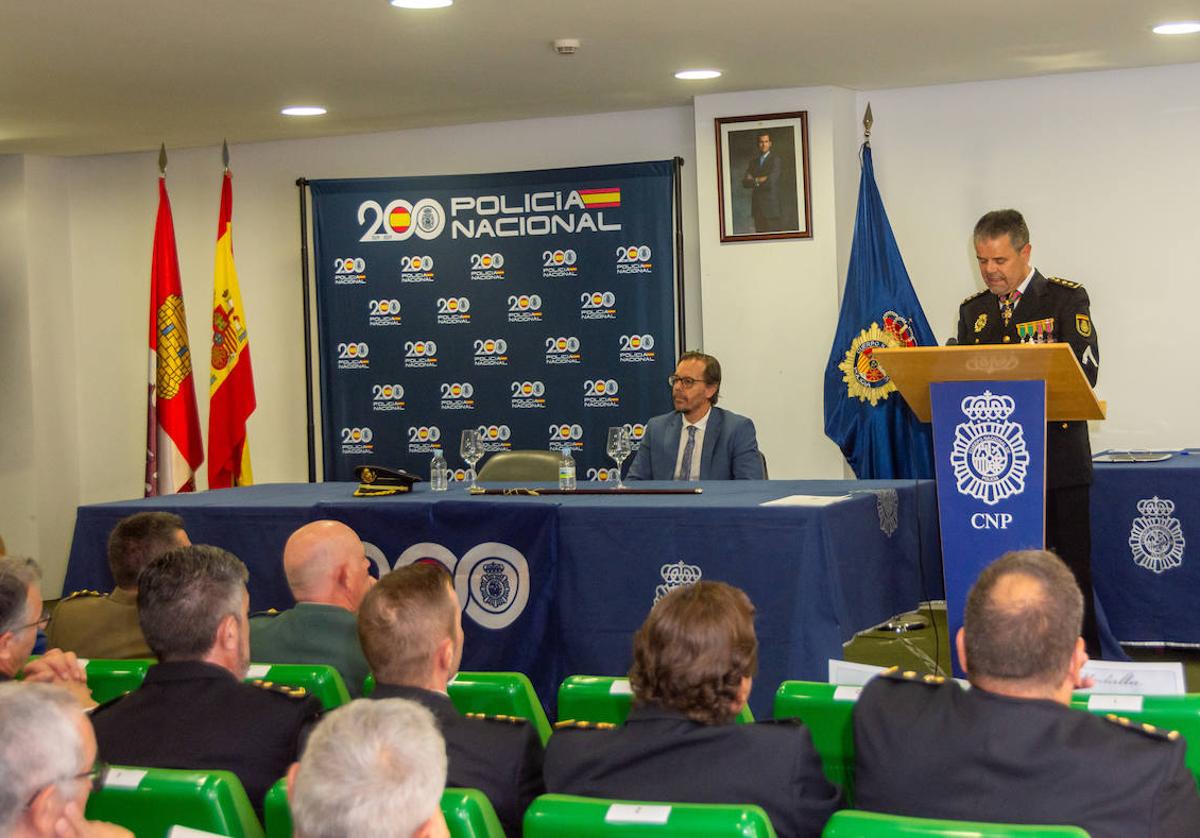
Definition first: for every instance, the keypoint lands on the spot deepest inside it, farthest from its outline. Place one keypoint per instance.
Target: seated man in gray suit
(698, 440)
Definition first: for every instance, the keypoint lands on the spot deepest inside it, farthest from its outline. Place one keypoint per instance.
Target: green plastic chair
(828, 719)
(605, 698)
(1166, 712)
(554, 815)
(323, 681)
(851, 824)
(468, 813)
(149, 801)
(493, 693)
(108, 679)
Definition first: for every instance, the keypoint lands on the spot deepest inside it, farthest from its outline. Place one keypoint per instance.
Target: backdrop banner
(536, 306)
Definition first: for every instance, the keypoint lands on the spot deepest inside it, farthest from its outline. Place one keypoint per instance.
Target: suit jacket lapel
(670, 450)
(711, 431)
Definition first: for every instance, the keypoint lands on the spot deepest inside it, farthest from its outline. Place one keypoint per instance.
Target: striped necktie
(685, 468)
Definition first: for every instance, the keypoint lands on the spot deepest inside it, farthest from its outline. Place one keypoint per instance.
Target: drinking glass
(471, 449)
(619, 447)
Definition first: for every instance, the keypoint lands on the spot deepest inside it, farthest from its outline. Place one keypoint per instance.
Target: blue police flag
(877, 432)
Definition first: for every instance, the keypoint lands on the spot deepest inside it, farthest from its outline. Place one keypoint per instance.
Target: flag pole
(868, 121)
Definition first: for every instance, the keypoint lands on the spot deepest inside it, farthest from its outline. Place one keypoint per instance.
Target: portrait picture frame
(763, 187)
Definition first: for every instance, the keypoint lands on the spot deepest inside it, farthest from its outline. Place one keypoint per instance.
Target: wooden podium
(989, 406)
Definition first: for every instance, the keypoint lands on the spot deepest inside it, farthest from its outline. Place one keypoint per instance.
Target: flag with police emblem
(864, 414)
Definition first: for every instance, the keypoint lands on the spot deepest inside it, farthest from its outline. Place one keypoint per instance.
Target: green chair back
(323, 681)
(605, 698)
(554, 815)
(828, 719)
(468, 813)
(149, 801)
(1166, 712)
(851, 824)
(108, 679)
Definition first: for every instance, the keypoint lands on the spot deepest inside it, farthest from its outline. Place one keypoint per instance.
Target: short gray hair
(16, 575)
(372, 768)
(183, 596)
(40, 744)
(1003, 222)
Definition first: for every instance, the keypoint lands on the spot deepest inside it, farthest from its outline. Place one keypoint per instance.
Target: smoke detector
(566, 46)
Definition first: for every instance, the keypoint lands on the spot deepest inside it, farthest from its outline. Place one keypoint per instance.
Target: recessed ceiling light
(303, 110)
(1188, 27)
(421, 4)
(694, 75)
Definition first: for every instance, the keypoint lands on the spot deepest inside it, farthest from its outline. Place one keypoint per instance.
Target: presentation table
(556, 585)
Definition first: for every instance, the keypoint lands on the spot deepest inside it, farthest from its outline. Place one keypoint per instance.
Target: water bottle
(439, 480)
(566, 470)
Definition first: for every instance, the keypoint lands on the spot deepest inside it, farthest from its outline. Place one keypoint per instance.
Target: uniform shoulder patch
(270, 612)
(1065, 283)
(283, 689)
(85, 593)
(896, 674)
(1144, 728)
(572, 724)
(974, 296)
(498, 717)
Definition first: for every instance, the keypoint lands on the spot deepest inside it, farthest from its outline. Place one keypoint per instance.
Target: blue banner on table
(536, 306)
(990, 439)
(877, 432)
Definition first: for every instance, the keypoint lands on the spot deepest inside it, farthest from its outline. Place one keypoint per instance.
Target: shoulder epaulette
(291, 692)
(572, 724)
(83, 593)
(976, 295)
(1144, 728)
(1066, 283)
(894, 673)
(790, 722)
(498, 717)
(270, 612)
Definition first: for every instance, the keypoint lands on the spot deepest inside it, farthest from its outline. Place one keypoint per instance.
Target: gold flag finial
(868, 121)
(225, 153)
(162, 159)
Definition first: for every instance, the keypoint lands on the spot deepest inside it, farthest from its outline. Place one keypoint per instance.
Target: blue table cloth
(556, 585)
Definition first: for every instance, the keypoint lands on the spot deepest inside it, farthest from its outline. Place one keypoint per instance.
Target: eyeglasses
(96, 775)
(41, 622)
(687, 383)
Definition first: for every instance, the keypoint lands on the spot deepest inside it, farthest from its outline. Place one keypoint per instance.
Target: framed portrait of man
(763, 190)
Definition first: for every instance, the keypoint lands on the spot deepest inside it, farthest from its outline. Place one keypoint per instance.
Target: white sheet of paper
(628, 813)
(1115, 703)
(847, 693)
(806, 500)
(851, 674)
(258, 670)
(178, 831)
(1135, 678)
(620, 687)
(123, 778)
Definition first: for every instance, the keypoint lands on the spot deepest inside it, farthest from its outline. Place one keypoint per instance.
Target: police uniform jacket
(192, 714)
(311, 633)
(662, 755)
(1051, 311)
(936, 750)
(501, 756)
(96, 625)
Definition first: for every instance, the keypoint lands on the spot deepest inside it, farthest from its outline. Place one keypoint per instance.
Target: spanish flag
(231, 379)
(174, 447)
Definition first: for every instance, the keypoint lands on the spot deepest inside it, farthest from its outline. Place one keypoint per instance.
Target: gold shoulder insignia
(291, 692)
(579, 724)
(974, 296)
(84, 593)
(1066, 283)
(1144, 728)
(895, 674)
(498, 717)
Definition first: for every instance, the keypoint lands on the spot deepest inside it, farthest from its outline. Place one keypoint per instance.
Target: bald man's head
(1022, 620)
(325, 563)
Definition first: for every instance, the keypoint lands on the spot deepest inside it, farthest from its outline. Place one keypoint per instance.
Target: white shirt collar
(700, 424)
(1021, 288)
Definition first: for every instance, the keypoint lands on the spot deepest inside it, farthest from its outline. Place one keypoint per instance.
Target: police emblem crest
(865, 379)
(1156, 537)
(887, 505)
(989, 456)
(494, 586)
(675, 576)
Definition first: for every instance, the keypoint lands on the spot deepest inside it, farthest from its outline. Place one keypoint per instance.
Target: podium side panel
(990, 451)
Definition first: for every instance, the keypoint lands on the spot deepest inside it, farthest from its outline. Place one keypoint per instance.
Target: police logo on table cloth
(989, 456)
(676, 576)
(1156, 537)
(491, 580)
(865, 379)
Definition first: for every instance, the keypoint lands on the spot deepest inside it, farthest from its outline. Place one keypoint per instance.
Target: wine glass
(619, 447)
(471, 449)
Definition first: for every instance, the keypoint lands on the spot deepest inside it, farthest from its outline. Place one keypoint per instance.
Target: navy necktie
(685, 468)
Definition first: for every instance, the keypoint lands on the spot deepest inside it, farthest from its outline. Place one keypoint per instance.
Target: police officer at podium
(1020, 305)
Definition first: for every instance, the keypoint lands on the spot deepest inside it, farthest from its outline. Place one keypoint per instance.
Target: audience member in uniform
(410, 625)
(96, 625)
(193, 711)
(694, 659)
(1010, 749)
(329, 575)
(47, 753)
(371, 769)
